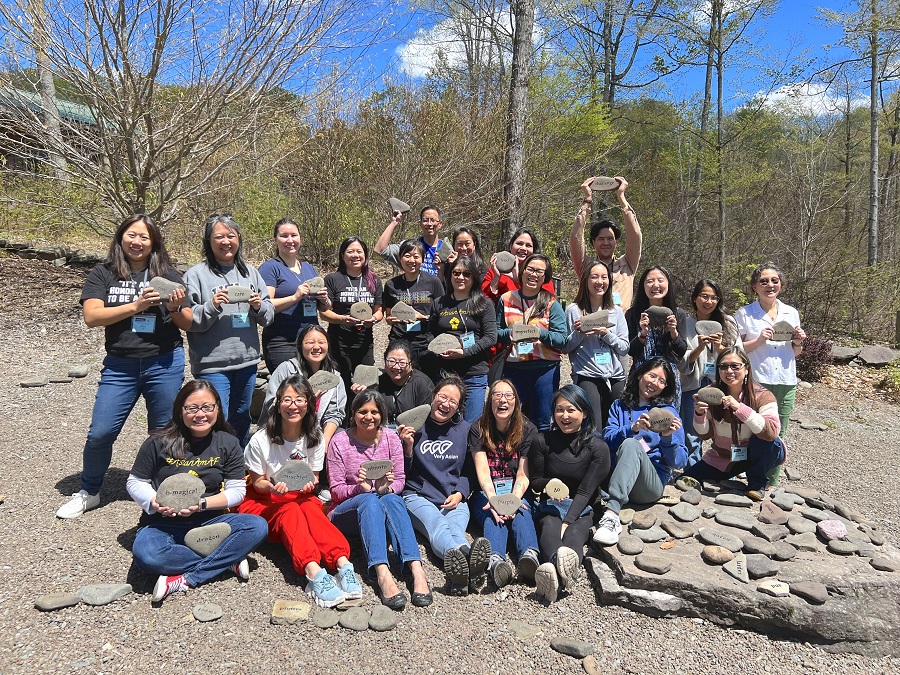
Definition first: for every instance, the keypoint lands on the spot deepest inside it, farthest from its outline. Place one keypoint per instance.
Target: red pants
(297, 520)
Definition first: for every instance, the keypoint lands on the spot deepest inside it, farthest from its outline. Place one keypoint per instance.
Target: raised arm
(385, 239)
(633, 235)
(576, 234)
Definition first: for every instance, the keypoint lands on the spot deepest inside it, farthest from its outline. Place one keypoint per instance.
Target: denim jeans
(634, 479)
(235, 388)
(521, 527)
(763, 457)
(444, 528)
(691, 440)
(375, 518)
(536, 386)
(476, 390)
(122, 382)
(159, 548)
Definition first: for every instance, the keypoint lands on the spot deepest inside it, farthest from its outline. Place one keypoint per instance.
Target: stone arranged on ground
(366, 376)
(361, 311)
(737, 567)
(691, 496)
(660, 419)
(383, 619)
(315, 285)
(783, 501)
(759, 566)
(770, 532)
(626, 516)
(668, 500)
(505, 505)
(355, 618)
(753, 544)
(414, 417)
(805, 542)
(643, 520)
(180, 491)
(831, 529)
(877, 356)
(102, 594)
(685, 512)
(630, 545)
(771, 514)
(727, 499)
(556, 489)
(295, 473)
(686, 483)
(651, 535)
(403, 312)
(505, 261)
(326, 618)
(398, 206)
(678, 530)
(54, 601)
(239, 294)
(289, 612)
(658, 315)
(775, 588)
(324, 380)
(60, 380)
(739, 519)
(208, 611)
(35, 382)
(811, 591)
(716, 555)
(709, 512)
(815, 515)
(165, 287)
(377, 468)
(78, 371)
(714, 537)
(522, 630)
(205, 539)
(800, 525)
(577, 649)
(874, 536)
(654, 564)
(804, 493)
(885, 564)
(840, 547)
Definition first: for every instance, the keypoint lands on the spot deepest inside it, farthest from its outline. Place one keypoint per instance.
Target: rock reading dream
(604, 184)
(180, 491)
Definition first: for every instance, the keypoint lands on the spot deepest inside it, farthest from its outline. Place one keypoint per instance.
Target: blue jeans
(444, 528)
(375, 518)
(122, 382)
(476, 390)
(763, 456)
(159, 548)
(521, 527)
(235, 388)
(536, 386)
(691, 440)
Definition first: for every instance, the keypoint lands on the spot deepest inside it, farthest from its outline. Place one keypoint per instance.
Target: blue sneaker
(348, 583)
(322, 590)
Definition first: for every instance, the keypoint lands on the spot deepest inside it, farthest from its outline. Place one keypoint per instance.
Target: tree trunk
(720, 134)
(873, 139)
(53, 140)
(514, 160)
(697, 172)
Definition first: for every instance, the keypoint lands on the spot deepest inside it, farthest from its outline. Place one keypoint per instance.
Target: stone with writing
(361, 311)
(604, 184)
(414, 417)
(737, 567)
(324, 380)
(289, 612)
(772, 514)
(206, 539)
(782, 331)
(660, 419)
(556, 489)
(239, 293)
(397, 205)
(377, 468)
(165, 287)
(775, 588)
(445, 251)
(716, 555)
(403, 312)
(444, 343)
(54, 601)
(654, 564)
(295, 473)
(180, 491)
(505, 261)
(714, 537)
(365, 376)
(708, 327)
(658, 316)
(505, 505)
(710, 395)
(598, 319)
(207, 611)
(519, 332)
(315, 284)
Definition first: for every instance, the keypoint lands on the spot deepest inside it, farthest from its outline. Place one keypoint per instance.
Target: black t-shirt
(500, 465)
(449, 315)
(419, 294)
(214, 459)
(121, 340)
(417, 391)
(344, 291)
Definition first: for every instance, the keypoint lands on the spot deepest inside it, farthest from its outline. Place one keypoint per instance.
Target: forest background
(495, 111)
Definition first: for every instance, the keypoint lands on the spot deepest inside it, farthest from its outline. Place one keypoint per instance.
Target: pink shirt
(345, 455)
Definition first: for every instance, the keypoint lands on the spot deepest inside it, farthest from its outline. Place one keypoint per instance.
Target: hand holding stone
(220, 298)
(176, 298)
(642, 423)
(255, 302)
(147, 299)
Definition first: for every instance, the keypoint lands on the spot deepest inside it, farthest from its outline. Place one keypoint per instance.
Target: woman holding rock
(295, 516)
(295, 305)
(467, 243)
(229, 300)
(144, 353)
(401, 385)
(522, 244)
(572, 454)
(743, 427)
(596, 354)
(372, 507)
(646, 435)
(500, 443)
(197, 442)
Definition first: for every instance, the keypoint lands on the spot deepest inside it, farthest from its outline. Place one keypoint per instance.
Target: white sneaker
(242, 570)
(80, 502)
(547, 582)
(568, 567)
(608, 530)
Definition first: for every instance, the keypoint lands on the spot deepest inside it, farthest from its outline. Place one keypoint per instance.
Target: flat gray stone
(874, 536)
(726, 499)
(261, 383)
(783, 501)
(414, 417)
(383, 619)
(737, 567)
(842, 547)
(505, 261)
(867, 551)
(165, 287)
(78, 371)
(604, 183)
(60, 380)
(35, 382)
(783, 551)
(710, 489)
(626, 516)
(811, 591)
(758, 545)
(598, 319)
(691, 496)
(805, 542)
(759, 566)
(102, 594)
(775, 588)
(771, 514)
(708, 327)
(770, 532)
(315, 284)
(685, 512)
(733, 485)
(710, 395)
(644, 520)
(398, 206)
(678, 530)
(844, 355)
(295, 473)
(651, 535)
(444, 342)
(885, 564)
(556, 489)
(239, 293)
(815, 515)
(361, 311)
(355, 618)
(791, 473)
(289, 612)
(520, 332)
(324, 380)
(877, 356)
(805, 493)
(655, 564)
(660, 419)
(577, 649)
(858, 538)
(716, 555)
(709, 512)
(366, 376)
(831, 529)
(729, 518)
(522, 630)
(800, 525)
(404, 312)
(377, 468)
(630, 545)
(782, 331)
(326, 618)
(714, 537)
(180, 491)
(206, 539)
(658, 316)
(207, 612)
(506, 505)
(54, 601)
(668, 500)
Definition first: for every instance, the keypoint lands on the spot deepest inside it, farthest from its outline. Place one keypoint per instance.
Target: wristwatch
(203, 503)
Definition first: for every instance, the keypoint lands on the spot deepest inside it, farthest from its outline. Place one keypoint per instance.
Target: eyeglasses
(653, 377)
(194, 409)
(396, 363)
(774, 281)
(503, 395)
(287, 401)
(535, 272)
(443, 398)
(462, 273)
(731, 366)
(429, 221)
(708, 297)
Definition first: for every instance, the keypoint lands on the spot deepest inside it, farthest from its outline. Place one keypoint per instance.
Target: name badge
(309, 307)
(240, 320)
(414, 327)
(617, 298)
(523, 348)
(503, 486)
(468, 339)
(738, 454)
(602, 358)
(143, 323)
(709, 370)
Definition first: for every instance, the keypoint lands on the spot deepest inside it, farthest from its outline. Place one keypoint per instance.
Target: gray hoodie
(331, 404)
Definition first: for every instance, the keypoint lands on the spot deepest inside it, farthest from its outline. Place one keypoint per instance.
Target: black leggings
(601, 393)
(575, 538)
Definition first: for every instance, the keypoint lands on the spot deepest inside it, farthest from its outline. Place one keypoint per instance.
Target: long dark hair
(159, 263)
(309, 426)
(476, 240)
(544, 297)
(576, 396)
(631, 398)
(368, 396)
(175, 435)
(525, 230)
(749, 388)
(729, 327)
(583, 297)
(209, 256)
(477, 303)
(366, 272)
(328, 363)
(490, 435)
(642, 302)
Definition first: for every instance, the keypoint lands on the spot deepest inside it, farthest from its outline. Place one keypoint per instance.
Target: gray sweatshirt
(226, 338)
(595, 356)
(331, 404)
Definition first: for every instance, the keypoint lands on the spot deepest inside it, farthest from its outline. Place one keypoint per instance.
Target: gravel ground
(44, 430)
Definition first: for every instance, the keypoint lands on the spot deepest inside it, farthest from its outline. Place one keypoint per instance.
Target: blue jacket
(666, 452)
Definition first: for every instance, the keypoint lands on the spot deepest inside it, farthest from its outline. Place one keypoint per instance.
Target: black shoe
(422, 599)
(479, 557)
(395, 602)
(456, 567)
(502, 573)
(527, 566)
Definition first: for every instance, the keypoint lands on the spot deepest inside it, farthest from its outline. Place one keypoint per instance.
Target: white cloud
(812, 99)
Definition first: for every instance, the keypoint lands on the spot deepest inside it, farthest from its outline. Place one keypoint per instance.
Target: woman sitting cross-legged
(296, 517)
(437, 486)
(644, 458)
(744, 427)
(373, 508)
(196, 441)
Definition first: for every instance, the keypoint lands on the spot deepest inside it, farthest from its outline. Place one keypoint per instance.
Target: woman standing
(353, 282)
(645, 458)
(522, 244)
(223, 338)
(295, 307)
(296, 517)
(596, 354)
(467, 243)
(371, 508)
(743, 427)
(533, 365)
(571, 453)
(500, 444)
(144, 354)
(467, 314)
(196, 441)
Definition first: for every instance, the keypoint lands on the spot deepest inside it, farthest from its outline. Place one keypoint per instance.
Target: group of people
(498, 421)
